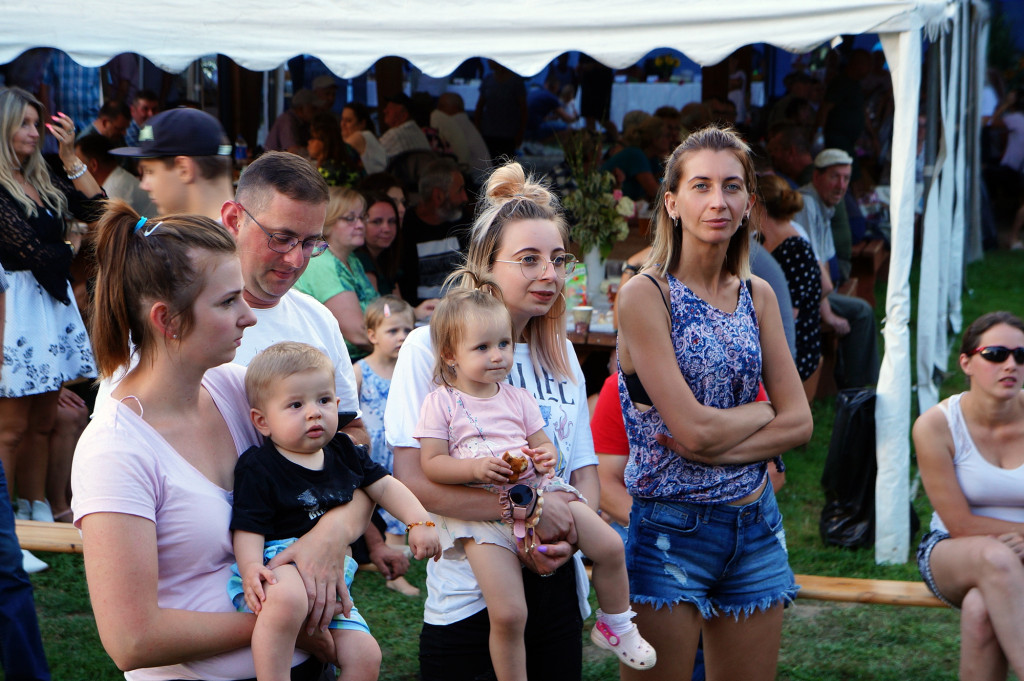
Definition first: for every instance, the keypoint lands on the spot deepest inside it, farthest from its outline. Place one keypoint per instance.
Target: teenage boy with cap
(185, 162)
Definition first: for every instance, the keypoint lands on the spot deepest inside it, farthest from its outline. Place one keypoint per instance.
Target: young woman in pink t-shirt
(478, 429)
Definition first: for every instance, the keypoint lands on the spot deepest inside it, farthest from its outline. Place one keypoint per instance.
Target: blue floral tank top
(719, 355)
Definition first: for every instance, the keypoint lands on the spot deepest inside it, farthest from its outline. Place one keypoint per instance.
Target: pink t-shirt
(480, 426)
(122, 465)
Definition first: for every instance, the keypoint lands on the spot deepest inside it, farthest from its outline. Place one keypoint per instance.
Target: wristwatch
(521, 500)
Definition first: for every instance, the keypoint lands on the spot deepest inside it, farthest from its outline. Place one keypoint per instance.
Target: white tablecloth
(649, 96)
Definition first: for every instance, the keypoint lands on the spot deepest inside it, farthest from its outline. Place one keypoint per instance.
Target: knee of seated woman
(974, 617)
(1000, 563)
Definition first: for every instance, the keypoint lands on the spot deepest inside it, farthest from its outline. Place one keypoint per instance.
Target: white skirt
(45, 342)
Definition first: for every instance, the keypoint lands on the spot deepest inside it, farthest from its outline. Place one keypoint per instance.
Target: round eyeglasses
(280, 242)
(534, 267)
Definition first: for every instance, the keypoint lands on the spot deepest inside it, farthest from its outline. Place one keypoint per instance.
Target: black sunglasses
(997, 354)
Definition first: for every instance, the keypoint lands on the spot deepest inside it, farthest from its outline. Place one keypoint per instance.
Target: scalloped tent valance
(438, 35)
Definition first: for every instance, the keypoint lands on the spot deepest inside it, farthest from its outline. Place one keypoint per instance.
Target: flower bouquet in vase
(598, 212)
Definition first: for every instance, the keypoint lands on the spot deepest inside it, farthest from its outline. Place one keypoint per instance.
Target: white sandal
(631, 648)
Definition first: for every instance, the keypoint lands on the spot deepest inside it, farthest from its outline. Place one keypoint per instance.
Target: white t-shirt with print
(452, 591)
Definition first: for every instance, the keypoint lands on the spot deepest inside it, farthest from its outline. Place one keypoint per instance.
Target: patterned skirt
(45, 342)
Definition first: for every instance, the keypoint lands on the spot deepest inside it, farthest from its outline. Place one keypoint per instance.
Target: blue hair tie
(141, 222)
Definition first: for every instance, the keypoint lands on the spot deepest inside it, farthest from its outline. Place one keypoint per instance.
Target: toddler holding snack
(478, 429)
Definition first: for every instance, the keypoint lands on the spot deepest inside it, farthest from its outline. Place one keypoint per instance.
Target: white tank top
(990, 491)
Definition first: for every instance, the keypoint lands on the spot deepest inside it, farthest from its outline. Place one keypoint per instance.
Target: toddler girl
(388, 321)
(475, 428)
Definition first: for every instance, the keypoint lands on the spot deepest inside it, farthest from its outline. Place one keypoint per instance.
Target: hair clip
(387, 310)
(142, 221)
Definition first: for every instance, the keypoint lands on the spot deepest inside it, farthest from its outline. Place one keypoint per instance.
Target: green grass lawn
(819, 641)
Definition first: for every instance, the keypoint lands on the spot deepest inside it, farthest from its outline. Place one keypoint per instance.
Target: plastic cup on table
(581, 316)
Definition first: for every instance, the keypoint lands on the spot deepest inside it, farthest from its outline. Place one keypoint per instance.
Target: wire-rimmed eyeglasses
(280, 242)
(534, 266)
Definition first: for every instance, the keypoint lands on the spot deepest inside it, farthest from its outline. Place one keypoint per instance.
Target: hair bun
(510, 182)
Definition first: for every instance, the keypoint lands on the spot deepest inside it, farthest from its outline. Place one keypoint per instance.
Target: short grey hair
(437, 175)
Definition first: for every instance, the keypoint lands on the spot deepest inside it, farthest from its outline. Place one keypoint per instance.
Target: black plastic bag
(848, 518)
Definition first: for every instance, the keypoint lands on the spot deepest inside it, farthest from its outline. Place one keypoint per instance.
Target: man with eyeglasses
(277, 218)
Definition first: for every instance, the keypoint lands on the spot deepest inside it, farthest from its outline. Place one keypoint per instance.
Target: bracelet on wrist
(76, 171)
(425, 523)
(538, 509)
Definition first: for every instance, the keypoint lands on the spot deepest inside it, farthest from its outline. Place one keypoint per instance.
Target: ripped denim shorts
(725, 560)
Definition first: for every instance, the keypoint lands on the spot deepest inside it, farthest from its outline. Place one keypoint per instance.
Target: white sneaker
(23, 509)
(31, 564)
(41, 511)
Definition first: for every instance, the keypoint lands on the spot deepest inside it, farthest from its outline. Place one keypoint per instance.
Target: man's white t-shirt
(302, 318)
(452, 591)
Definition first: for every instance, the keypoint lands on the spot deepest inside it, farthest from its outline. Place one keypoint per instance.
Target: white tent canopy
(437, 35)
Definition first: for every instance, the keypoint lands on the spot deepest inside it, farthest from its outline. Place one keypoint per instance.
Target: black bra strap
(663, 298)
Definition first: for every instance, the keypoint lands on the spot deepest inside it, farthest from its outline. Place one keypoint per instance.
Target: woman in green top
(337, 278)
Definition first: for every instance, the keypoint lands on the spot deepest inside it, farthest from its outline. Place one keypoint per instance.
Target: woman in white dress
(45, 341)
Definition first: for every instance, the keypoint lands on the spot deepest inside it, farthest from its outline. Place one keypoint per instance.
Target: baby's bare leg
(602, 545)
(358, 655)
(500, 577)
(273, 637)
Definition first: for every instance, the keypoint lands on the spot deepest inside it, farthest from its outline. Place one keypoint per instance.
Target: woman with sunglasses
(970, 451)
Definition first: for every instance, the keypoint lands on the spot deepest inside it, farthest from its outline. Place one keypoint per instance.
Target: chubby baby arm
(249, 556)
(399, 501)
(444, 469)
(543, 452)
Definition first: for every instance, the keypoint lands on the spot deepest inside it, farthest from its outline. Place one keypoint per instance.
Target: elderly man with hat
(403, 134)
(852, 318)
(185, 162)
(325, 91)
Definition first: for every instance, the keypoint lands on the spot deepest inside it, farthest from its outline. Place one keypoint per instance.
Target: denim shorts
(924, 562)
(723, 559)
(354, 622)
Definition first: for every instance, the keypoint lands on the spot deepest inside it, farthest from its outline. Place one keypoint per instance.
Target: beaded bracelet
(425, 523)
(77, 171)
(538, 509)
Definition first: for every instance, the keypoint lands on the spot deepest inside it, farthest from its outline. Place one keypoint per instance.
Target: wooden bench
(56, 537)
(869, 262)
(64, 538)
(878, 591)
